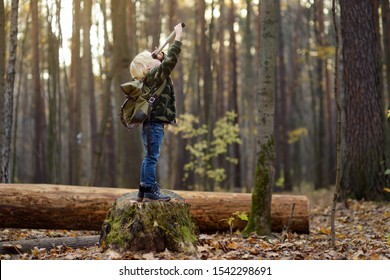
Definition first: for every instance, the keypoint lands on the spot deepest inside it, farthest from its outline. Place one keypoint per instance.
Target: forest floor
(362, 232)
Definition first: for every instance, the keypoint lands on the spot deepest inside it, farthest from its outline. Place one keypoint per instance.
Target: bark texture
(260, 217)
(149, 227)
(85, 208)
(365, 162)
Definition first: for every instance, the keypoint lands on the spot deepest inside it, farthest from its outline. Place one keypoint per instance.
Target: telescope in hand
(167, 41)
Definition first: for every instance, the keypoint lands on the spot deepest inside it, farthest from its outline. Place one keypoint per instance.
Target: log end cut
(149, 227)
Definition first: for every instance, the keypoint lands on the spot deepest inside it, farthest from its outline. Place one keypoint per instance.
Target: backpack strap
(157, 93)
(151, 100)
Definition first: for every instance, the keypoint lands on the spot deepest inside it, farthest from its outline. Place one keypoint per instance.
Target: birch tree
(260, 216)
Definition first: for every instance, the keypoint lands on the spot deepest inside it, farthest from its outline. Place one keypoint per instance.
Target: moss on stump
(149, 227)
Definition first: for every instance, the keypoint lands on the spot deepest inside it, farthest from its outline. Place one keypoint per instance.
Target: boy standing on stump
(153, 72)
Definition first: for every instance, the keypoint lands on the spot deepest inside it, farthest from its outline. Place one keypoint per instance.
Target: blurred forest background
(73, 55)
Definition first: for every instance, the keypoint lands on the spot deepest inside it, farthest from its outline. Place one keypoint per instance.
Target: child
(154, 72)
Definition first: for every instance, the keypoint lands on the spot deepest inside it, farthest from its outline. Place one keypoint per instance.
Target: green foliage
(202, 150)
(296, 134)
(280, 182)
(325, 52)
(388, 113)
(241, 215)
(231, 221)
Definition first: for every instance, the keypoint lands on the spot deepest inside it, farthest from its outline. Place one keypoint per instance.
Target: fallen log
(24, 246)
(40, 206)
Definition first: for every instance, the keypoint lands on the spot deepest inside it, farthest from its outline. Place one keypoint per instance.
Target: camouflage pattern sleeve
(164, 109)
(159, 74)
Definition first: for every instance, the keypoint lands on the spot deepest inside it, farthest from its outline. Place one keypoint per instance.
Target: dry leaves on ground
(362, 232)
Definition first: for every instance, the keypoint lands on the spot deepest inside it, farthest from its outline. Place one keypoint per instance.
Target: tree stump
(149, 227)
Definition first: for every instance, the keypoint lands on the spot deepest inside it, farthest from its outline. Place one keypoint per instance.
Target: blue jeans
(149, 164)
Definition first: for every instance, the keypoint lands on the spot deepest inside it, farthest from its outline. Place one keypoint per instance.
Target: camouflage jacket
(164, 109)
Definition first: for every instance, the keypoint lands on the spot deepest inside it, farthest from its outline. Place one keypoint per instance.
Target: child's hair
(141, 65)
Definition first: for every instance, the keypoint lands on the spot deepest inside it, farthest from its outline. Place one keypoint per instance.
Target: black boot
(154, 194)
(141, 193)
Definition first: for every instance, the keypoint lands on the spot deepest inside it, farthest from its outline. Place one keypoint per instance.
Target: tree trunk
(75, 99)
(104, 172)
(129, 147)
(8, 102)
(39, 147)
(248, 106)
(90, 87)
(3, 46)
(85, 208)
(220, 73)
(260, 217)
(385, 8)
(295, 92)
(281, 135)
(156, 23)
(234, 169)
(365, 161)
(132, 28)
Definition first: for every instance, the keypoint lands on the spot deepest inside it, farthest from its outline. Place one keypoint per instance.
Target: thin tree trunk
(385, 8)
(339, 112)
(106, 145)
(294, 90)
(39, 146)
(132, 29)
(284, 148)
(178, 154)
(314, 117)
(17, 103)
(3, 47)
(156, 24)
(234, 169)
(220, 75)
(8, 102)
(260, 216)
(248, 105)
(90, 79)
(75, 99)
(53, 93)
(321, 180)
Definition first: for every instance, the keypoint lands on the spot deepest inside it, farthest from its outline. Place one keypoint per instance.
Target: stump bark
(149, 227)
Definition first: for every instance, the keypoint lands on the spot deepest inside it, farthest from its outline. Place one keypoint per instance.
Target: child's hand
(160, 56)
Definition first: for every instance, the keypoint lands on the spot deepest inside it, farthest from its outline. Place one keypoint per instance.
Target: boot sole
(150, 200)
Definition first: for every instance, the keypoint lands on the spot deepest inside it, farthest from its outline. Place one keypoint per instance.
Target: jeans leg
(149, 163)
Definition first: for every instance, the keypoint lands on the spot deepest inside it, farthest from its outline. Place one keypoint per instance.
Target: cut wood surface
(42, 206)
